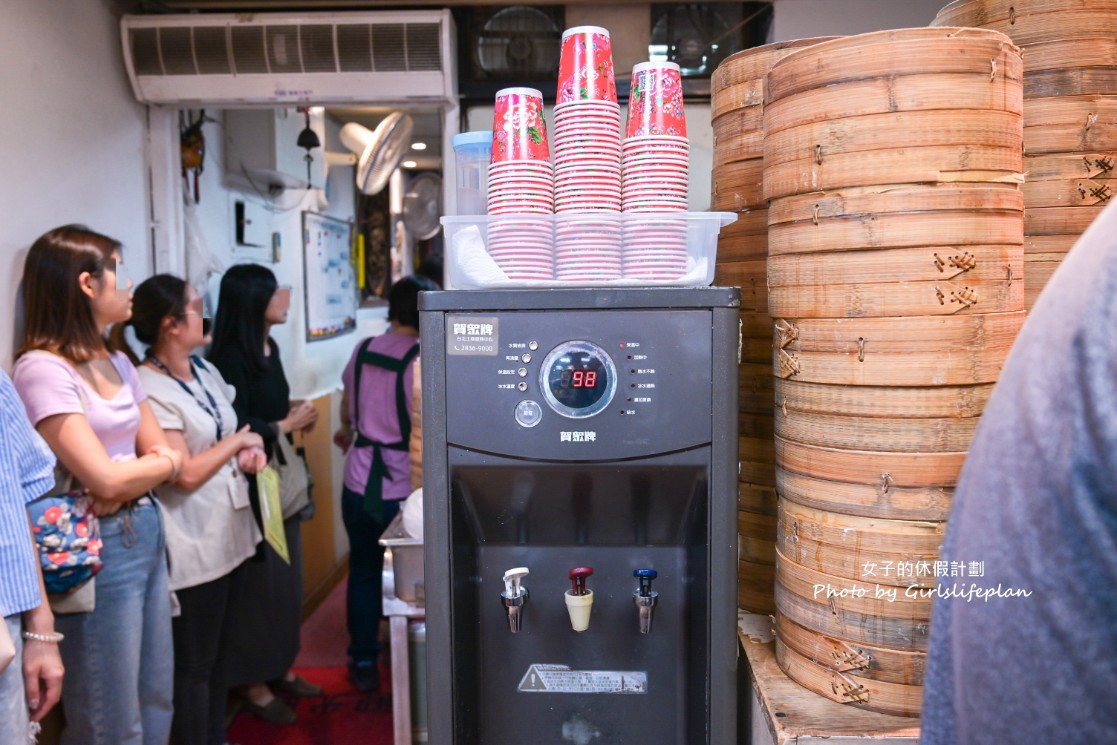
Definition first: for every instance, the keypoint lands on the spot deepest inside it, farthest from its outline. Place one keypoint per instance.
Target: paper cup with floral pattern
(519, 131)
(586, 66)
(655, 105)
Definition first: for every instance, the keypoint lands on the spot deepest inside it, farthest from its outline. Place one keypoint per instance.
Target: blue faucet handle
(645, 573)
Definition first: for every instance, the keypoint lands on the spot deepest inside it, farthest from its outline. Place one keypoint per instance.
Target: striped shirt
(26, 473)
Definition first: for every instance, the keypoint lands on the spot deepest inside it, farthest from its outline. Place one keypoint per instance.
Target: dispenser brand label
(541, 678)
(472, 335)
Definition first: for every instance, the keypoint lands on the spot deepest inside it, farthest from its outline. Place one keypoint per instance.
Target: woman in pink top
(87, 403)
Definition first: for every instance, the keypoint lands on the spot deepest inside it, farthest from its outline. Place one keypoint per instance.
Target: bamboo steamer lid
(734, 140)
(940, 297)
(871, 467)
(744, 96)
(881, 500)
(1070, 192)
(756, 498)
(876, 663)
(737, 186)
(922, 264)
(755, 63)
(947, 93)
(1033, 21)
(755, 583)
(847, 688)
(889, 131)
(1060, 220)
(856, 547)
(1085, 124)
(938, 401)
(1059, 54)
(895, 53)
(899, 434)
(901, 165)
(912, 351)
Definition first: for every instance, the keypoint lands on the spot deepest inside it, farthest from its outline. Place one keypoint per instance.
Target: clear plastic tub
(614, 249)
(472, 151)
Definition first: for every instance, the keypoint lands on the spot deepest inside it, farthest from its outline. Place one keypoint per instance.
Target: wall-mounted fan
(379, 151)
(698, 36)
(422, 206)
(518, 40)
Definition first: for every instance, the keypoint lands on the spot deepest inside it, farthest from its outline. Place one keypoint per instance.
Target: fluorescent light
(409, 164)
(418, 146)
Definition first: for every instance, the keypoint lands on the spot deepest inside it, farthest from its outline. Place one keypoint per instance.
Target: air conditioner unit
(233, 60)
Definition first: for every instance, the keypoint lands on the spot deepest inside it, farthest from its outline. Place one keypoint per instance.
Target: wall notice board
(331, 280)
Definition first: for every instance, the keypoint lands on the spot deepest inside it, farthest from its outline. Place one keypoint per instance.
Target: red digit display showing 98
(584, 379)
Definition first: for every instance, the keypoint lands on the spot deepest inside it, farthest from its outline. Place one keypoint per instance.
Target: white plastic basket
(470, 266)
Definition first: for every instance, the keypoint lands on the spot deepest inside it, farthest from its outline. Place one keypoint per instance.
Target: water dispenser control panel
(579, 385)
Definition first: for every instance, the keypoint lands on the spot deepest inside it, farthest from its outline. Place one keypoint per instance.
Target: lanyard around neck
(213, 409)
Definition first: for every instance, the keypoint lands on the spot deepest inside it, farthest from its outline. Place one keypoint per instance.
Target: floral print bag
(68, 536)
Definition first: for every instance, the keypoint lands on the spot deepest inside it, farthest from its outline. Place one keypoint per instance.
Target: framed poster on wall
(331, 280)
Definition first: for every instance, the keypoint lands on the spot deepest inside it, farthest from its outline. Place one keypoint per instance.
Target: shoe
(275, 711)
(365, 676)
(300, 686)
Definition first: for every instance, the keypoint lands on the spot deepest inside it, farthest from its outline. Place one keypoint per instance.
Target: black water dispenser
(580, 491)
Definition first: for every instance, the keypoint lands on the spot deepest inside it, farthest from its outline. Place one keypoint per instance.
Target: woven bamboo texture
(885, 470)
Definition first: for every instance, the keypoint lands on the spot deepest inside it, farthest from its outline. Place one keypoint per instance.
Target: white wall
(801, 19)
(73, 137)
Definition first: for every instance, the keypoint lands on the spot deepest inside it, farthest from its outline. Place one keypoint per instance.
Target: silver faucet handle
(512, 580)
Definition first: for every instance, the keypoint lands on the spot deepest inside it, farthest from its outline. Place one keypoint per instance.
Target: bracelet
(174, 468)
(46, 638)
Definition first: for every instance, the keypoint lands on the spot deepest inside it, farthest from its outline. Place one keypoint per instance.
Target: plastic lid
(479, 137)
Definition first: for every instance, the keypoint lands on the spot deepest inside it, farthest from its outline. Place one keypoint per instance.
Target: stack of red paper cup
(587, 159)
(521, 185)
(655, 157)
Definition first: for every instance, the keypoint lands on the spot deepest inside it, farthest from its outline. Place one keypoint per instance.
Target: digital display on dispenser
(578, 379)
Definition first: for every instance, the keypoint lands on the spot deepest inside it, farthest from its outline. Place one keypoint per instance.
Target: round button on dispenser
(533, 345)
(528, 413)
(525, 358)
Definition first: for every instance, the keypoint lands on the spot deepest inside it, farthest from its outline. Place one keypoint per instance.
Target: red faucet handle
(578, 577)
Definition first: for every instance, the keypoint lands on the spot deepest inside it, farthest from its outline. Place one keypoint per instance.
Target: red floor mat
(342, 716)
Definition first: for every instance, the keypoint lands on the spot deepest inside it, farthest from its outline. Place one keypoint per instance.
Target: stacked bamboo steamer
(1070, 116)
(892, 162)
(415, 445)
(737, 89)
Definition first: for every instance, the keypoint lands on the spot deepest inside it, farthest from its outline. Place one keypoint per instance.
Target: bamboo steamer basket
(902, 165)
(875, 663)
(757, 457)
(1060, 220)
(888, 470)
(1037, 275)
(1068, 167)
(848, 688)
(1058, 54)
(756, 498)
(893, 130)
(916, 351)
(1069, 193)
(941, 297)
(895, 434)
(755, 583)
(749, 224)
(854, 547)
(739, 135)
(737, 186)
(855, 611)
(896, 53)
(963, 401)
(757, 535)
(740, 246)
(738, 82)
(880, 500)
(1033, 21)
(1085, 124)
(923, 264)
(415, 445)
(744, 98)
(870, 202)
(1070, 81)
(1048, 247)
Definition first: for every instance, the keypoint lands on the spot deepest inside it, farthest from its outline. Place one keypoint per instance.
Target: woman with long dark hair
(89, 405)
(267, 614)
(210, 528)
